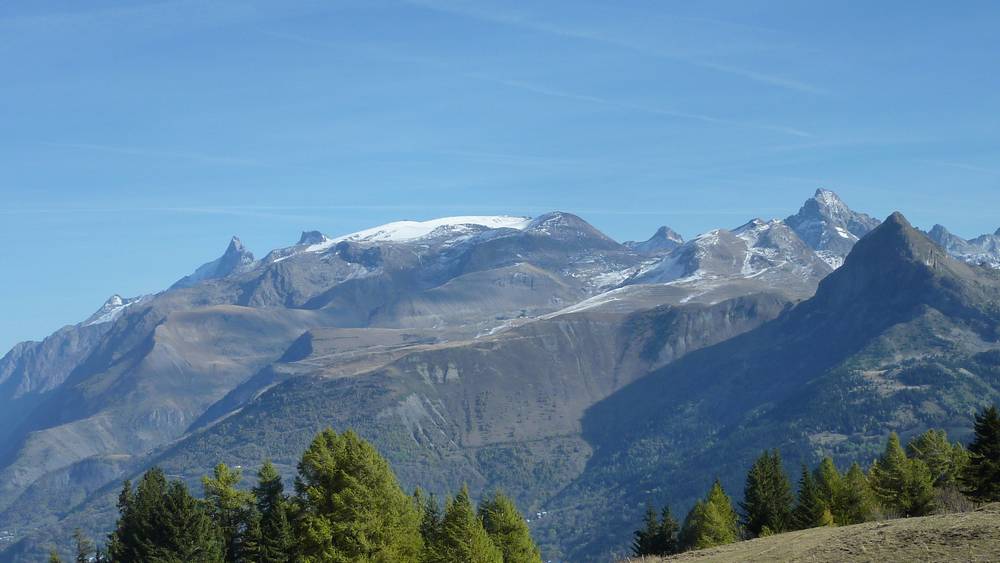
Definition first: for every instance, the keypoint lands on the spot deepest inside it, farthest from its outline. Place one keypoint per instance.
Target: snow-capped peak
(403, 231)
(752, 231)
(829, 199)
(111, 310)
(829, 226)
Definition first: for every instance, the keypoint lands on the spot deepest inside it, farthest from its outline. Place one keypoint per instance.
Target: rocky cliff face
(828, 226)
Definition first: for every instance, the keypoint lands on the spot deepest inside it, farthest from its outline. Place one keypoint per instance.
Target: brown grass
(969, 536)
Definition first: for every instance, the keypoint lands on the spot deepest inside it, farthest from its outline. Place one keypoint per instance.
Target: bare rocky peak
(236, 258)
(664, 240)
(828, 225)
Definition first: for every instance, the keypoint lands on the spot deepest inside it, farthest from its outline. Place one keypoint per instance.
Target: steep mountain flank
(499, 411)
(902, 337)
(535, 354)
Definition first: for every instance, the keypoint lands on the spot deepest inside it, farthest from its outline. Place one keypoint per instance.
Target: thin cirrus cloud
(544, 90)
(547, 91)
(157, 153)
(964, 166)
(523, 22)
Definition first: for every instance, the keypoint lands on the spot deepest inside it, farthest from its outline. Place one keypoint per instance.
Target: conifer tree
(855, 503)
(945, 460)
(919, 494)
(161, 521)
(900, 484)
(712, 521)
(657, 537)
(981, 477)
(462, 536)
(668, 540)
(889, 474)
(827, 482)
(84, 547)
(430, 516)
(189, 533)
(274, 540)
(809, 505)
(767, 504)
(351, 506)
(508, 530)
(231, 509)
(644, 539)
(54, 556)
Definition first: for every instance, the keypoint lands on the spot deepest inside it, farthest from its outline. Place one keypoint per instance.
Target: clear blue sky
(137, 137)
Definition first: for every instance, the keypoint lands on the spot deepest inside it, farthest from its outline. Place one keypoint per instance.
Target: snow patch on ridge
(402, 231)
(112, 309)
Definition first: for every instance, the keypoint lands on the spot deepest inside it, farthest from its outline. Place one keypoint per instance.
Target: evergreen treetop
(767, 496)
(352, 508)
(462, 536)
(508, 529)
(712, 521)
(981, 476)
(809, 505)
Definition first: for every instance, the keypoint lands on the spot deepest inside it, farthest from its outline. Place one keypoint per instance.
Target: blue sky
(137, 137)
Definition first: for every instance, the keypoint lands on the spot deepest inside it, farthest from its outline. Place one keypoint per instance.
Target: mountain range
(583, 376)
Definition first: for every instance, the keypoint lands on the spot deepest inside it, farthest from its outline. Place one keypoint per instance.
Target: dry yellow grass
(969, 536)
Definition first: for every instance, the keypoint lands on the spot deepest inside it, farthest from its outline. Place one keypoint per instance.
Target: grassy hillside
(970, 536)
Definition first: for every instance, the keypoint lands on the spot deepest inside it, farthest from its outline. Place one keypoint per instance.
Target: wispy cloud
(158, 153)
(652, 110)
(524, 22)
(964, 166)
(546, 90)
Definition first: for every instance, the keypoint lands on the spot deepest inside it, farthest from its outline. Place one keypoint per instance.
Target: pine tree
(919, 493)
(161, 521)
(508, 530)
(827, 481)
(900, 484)
(430, 516)
(189, 534)
(84, 547)
(644, 540)
(462, 536)
(657, 537)
(809, 505)
(230, 508)
(888, 475)
(712, 521)
(351, 506)
(668, 541)
(767, 503)
(273, 540)
(944, 459)
(855, 503)
(981, 477)
(54, 556)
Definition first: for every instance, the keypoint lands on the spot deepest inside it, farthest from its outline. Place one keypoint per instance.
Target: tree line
(930, 474)
(347, 505)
